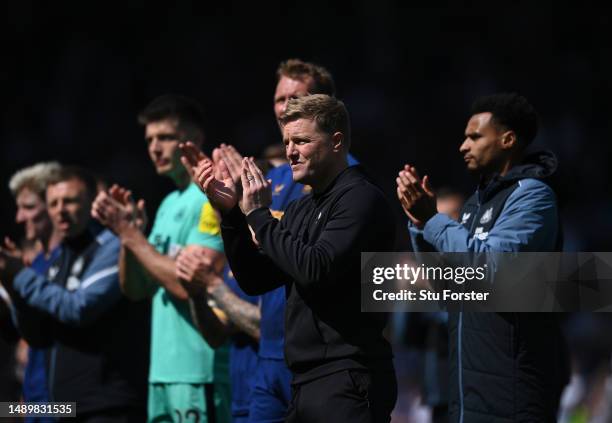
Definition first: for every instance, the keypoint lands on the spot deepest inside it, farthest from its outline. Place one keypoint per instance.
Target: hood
(538, 165)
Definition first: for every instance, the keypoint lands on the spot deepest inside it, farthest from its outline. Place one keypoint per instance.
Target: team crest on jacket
(465, 218)
(486, 217)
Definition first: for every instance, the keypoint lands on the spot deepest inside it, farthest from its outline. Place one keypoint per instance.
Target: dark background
(73, 79)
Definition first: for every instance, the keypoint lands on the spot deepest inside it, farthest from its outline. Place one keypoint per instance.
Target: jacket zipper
(460, 336)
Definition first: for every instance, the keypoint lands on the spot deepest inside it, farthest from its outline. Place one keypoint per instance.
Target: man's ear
(508, 140)
(338, 141)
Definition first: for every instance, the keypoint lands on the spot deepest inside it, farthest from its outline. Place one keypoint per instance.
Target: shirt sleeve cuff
(259, 217)
(22, 280)
(232, 219)
(435, 226)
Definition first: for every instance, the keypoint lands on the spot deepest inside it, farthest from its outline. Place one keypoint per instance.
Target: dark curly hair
(512, 112)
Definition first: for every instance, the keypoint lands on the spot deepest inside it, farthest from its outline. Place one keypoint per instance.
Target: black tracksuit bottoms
(354, 396)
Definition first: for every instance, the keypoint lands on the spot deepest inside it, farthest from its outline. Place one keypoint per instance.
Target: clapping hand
(416, 196)
(256, 190)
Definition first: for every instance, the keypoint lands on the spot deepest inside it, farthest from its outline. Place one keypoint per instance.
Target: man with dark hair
(503, 366)
(96, 337)
(183, 111)
(188, 377)
(341, 362)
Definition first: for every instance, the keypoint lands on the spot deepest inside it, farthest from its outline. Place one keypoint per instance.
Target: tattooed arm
(244, 315)
(197, 269)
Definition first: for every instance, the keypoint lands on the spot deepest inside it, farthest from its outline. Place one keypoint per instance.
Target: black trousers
(348, 396)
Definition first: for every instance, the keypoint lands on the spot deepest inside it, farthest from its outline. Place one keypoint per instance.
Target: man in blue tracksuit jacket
(504, 367)
(97, 338)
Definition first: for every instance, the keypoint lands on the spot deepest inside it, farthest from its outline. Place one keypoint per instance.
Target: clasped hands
(228, 179)
(117, 210)
(416, 196)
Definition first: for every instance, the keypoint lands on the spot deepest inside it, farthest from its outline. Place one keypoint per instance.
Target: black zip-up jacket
(315, 250)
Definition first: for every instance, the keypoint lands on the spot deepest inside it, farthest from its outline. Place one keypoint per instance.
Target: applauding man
(503, 366)
(341, 362)
(188, 378)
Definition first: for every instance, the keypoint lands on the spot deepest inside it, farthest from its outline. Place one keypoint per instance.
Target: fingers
(258, 173)
(427, 186)
(120, 194)
(216, 155)
(192, 154)
(407, 186)
(204, 174)
(245, 176)
(105, 207)
(188, 167)
(256, 178)
(9, 244)
(223, 170)
(142, 209)
(233, 161)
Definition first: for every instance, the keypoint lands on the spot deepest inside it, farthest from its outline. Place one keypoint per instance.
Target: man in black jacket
(341, 363)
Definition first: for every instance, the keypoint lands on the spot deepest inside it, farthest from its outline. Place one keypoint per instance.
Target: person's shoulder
(533, 185)
(168, 199)
(532, 192)
(194, 199)
(361, 185)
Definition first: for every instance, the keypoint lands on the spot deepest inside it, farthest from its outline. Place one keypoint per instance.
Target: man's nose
(290, 150)
(19, 217)
(155, 146)
(463, 148)
(61, 207)
(284, 106)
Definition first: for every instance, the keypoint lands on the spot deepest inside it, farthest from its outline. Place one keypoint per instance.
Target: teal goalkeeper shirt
(179, 354)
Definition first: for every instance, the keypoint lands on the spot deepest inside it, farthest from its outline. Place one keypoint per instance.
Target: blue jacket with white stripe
(98, 338)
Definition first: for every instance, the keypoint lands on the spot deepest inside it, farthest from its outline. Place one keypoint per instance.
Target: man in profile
(341, 363)
(263, 393)
(503, 366)
(188, 377)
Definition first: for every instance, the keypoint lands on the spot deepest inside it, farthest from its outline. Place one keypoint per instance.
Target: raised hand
(137, 209)
(191, 157)
(217, 183)
(232, 159)
(256, 190)
(416, 196)
(195, 267)
(11, 249)
(111, 213)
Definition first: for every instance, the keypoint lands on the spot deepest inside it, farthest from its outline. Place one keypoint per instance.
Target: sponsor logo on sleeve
(209, 221)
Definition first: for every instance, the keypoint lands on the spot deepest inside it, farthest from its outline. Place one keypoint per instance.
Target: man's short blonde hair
(35, 178)
(329, 113)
